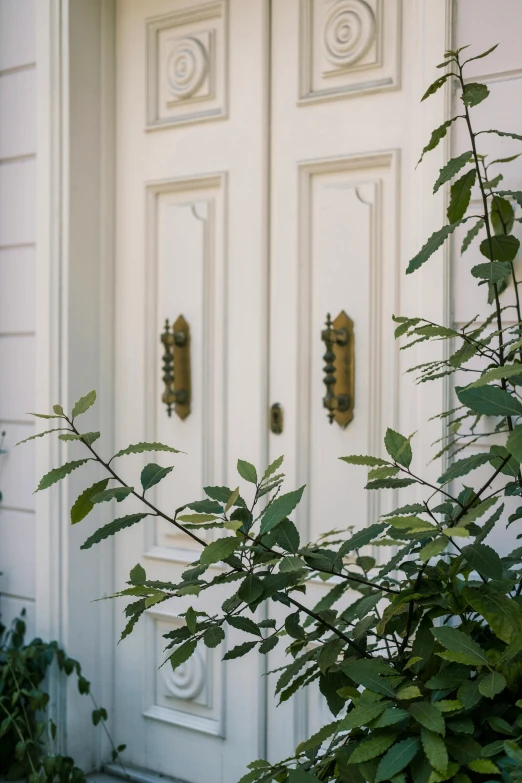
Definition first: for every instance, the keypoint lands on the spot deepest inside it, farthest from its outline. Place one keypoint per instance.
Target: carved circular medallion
(188, 680)
(187, 66)
(349, 31)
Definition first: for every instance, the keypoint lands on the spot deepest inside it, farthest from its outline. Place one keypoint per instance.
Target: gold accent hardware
(339, 369)
(276, 419)
(176, 367)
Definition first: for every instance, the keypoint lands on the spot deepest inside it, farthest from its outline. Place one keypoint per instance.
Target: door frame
(75, 335)
(75, 252)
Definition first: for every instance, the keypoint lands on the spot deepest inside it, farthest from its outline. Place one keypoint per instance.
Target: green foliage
(27, 733)
(418, 652)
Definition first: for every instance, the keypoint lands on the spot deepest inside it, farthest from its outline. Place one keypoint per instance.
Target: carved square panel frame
(348, 47)
(187, 65)
(192, 695)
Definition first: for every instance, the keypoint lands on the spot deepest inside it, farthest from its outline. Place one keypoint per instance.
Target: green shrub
(27, 734)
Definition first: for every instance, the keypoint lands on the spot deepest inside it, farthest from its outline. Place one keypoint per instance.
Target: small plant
(422, 670)
(27, 735)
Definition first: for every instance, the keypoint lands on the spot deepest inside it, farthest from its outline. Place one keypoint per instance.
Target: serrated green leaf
(362, 715)
(138, 574)
(409, 692)
(502, 216)
(300, 776)
(490, 401)
(372, 748)
(195, 519)
(451, 168)
(360, 539)
(433, 548)
(273, 468)
(251, 589)
(514, 443)
(243, 624)
(470, 236)
(436, 136)
(291, 563)
(493, 272)
(474, 93)
(112, 528)
(183, 653)
(484, 560)
(492, 684)
(318, 738)
(268, 644)
(397, 758)
(115, 493)
(428, 716)
(38, 434)
(514, 194)
(480, 56)
(138, 448)
(239, 651)
(390, 483)
(459, 642)
(477, 511)
(279, 509)
(503, 247)
(368, 676)
(247, 471)
(45, 415)
(232, 499)
(464, 466)
(57, 474)
(410, 523)
(496, 374)
(84, 504)
(213, 636)
(152, 474)
(483, 766)
(435, 749)
(435, 241)
(398, 447)
(86, 437)
(435, 86)
(460, 196)
(84, 403)
(371, 462)
(219, 550)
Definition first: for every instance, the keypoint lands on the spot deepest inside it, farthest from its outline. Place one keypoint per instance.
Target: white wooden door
(345, 119)
(191, 218)
(255, 135)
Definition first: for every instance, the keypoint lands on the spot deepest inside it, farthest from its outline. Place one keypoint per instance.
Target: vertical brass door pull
(339, 369)
(176, 367)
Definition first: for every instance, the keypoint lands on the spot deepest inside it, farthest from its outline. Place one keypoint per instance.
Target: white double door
(258, 154)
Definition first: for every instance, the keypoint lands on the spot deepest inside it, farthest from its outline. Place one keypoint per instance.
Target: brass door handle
(176, 367)
(339, 369)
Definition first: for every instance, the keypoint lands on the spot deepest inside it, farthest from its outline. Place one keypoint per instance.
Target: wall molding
(75, 80)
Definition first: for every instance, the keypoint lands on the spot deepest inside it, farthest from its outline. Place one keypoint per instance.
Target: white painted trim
(75, 48)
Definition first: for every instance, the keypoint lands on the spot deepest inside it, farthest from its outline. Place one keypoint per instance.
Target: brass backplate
(344, 370)
(276, 419)
(182, 368)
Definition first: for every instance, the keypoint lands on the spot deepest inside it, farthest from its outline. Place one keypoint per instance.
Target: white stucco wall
(17, 303)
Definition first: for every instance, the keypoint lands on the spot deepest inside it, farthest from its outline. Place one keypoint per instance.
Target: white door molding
(74, 335)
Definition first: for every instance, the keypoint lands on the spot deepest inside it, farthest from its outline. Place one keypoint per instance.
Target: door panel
(191, 240)
(336, 150)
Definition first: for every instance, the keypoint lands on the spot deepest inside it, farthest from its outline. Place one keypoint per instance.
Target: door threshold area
(134, 774)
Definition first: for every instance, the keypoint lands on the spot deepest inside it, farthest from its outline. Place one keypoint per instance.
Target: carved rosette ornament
(187, 681)
(349, 32)
(187, 67)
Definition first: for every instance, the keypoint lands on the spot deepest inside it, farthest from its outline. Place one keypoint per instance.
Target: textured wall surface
(17, 303)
